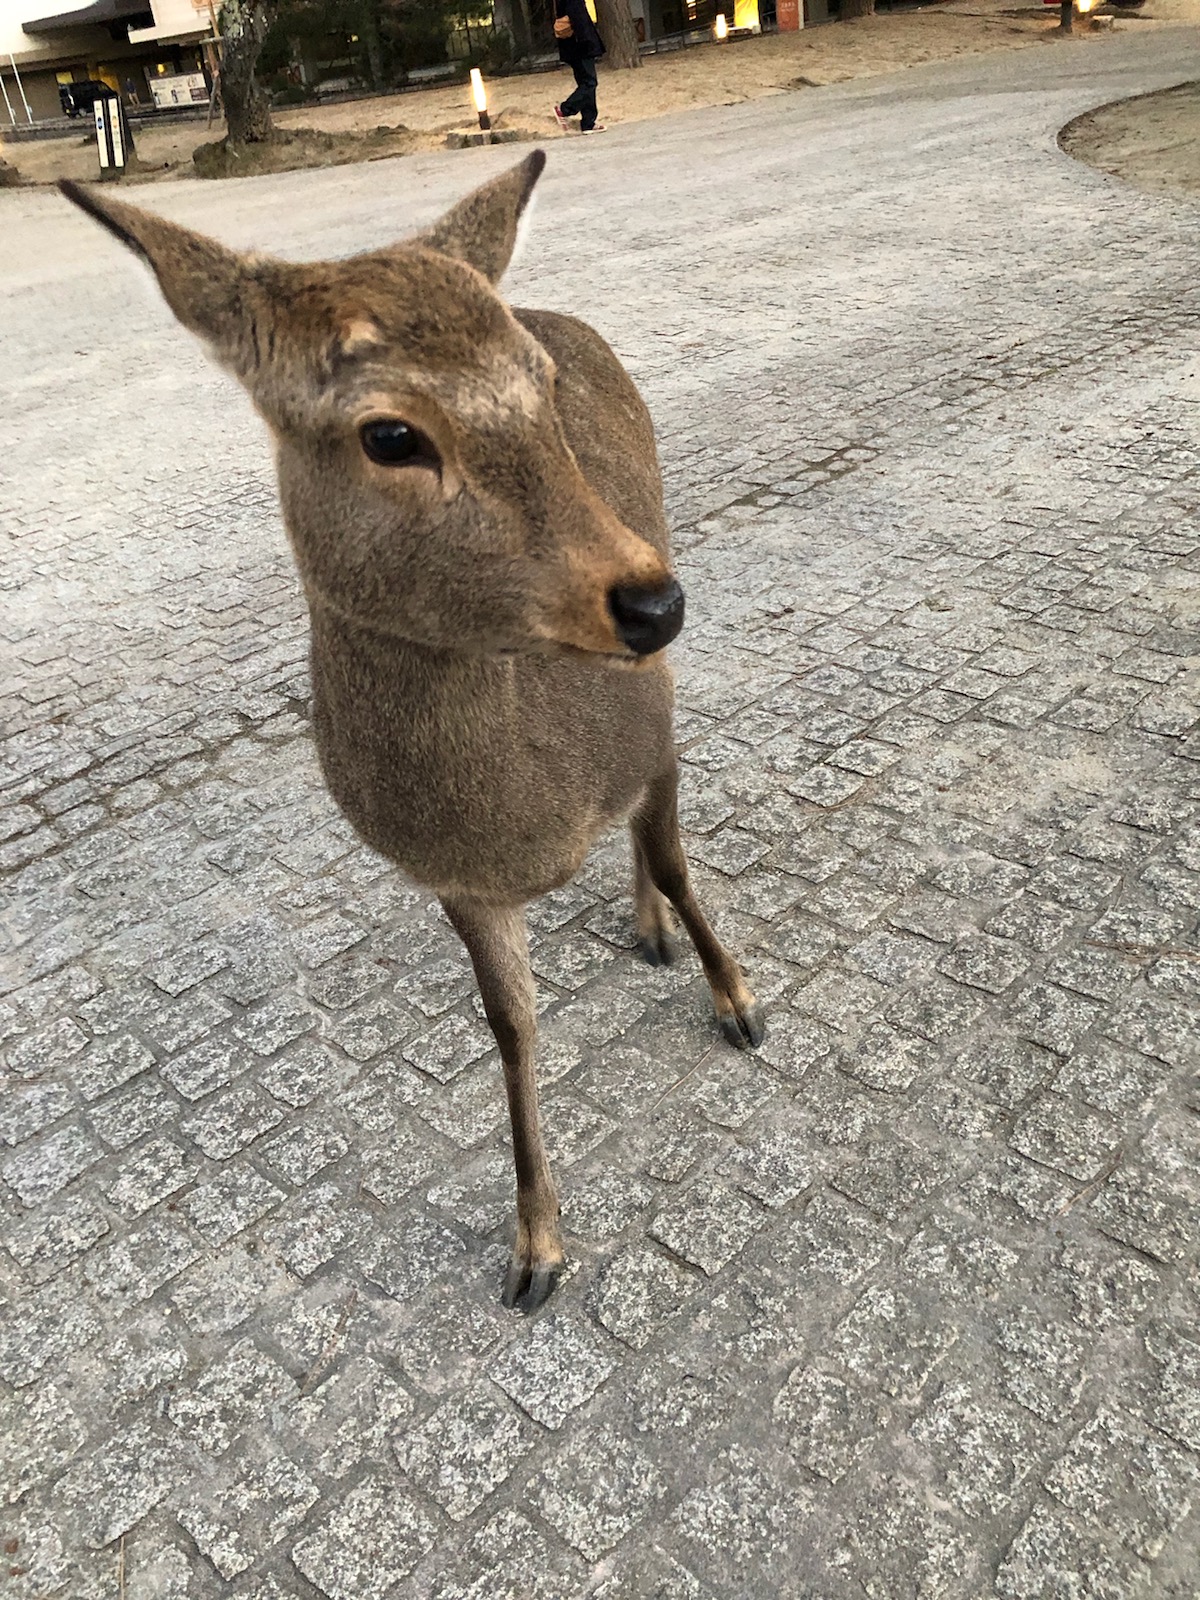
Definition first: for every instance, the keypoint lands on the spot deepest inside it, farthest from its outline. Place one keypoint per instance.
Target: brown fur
(478, 718)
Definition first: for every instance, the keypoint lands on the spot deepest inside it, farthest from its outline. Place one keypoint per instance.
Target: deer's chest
(484, 778)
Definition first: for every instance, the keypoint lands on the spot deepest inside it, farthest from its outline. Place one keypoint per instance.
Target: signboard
(179, 89)
(788, 15)
(110, 136)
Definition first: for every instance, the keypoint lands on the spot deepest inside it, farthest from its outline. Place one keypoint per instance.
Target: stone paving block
(984, 1450)
(403, 1257)
(299, 1074)
(228, 1122)
(1143, 1207)
(794, 1043)
(367, 1542)
(235, 1198)
(1133, 1484)
(597, 1206)
(1041, 1366)
(309, 1232)
(239, 1390)
(741, 1526)
(42, 1435)
(951, 1255)
(54, 1235)
(639, 1291)
(596, 1492)
(28, 1108)
(648, 1574)
(774, 1167)
(41, 1052)
(108, 1064)
(133, 1268)
(508, 1559)
(826, 1423)
(893, 1177)
(300, 1153)
(1171, 1397)
(1113, 1079)
(885, 1059)
(464, 1450)
(894, 1340)
(908, 1547)
(936, 1010)
(245, 1518)
(1108, 1286)
(447, 1332)
(1052, 1555)
(559, 1365)
(42, 1168)
(221, 1293)
(207, 1066)
(149, 1174)
(110, 1490)
(707, 1225)
(1059, 1132)
(340, 1419)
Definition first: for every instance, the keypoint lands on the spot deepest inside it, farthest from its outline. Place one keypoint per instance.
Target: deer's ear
(482, 229)
(202, 281)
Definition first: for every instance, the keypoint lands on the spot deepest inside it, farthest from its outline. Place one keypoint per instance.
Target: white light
(721, 27)
(479, 93)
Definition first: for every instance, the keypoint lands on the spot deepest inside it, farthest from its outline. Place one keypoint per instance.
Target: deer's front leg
(655, 826)
(496, 942)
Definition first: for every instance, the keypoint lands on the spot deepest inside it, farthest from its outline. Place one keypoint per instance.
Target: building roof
(99, 12)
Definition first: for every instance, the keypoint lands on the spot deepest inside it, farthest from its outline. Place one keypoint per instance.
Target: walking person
(580, 47)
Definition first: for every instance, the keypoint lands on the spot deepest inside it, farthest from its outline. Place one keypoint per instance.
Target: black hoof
(658, 951)
(528, 1287)
(745, 1029)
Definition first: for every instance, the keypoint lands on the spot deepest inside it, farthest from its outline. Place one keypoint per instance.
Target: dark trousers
(582, 103)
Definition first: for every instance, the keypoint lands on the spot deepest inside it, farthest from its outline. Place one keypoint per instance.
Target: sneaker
(559, 118)
(598, 128)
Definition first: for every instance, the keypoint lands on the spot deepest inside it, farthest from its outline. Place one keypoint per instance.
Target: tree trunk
(244, 25)
(512, 17)
(368, 31)
(615, 21)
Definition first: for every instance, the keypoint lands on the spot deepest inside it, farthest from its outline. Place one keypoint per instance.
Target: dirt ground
(680, 80)
(1153, 141)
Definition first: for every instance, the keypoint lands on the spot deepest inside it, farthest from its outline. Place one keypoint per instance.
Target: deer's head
(427, 486)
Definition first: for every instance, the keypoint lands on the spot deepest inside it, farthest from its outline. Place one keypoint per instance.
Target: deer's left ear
(482, 229)
(204, 283)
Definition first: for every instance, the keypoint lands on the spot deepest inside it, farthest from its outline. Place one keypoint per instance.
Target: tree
(244, 27)
(615, 21)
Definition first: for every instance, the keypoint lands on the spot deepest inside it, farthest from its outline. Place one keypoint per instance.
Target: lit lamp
(479, 95)
(720, 26)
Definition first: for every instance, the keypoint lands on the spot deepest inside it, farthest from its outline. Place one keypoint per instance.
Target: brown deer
(473, 499)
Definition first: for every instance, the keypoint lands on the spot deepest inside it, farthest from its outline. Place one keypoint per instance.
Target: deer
(473, 500)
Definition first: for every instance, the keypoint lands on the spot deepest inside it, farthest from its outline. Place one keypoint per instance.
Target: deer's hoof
(529, 1284)
(657, 949)
(745, 1027)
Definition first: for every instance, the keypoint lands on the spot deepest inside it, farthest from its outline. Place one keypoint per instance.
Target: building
(151, 52)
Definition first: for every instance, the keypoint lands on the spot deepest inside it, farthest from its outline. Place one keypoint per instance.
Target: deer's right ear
(482, 229)
(201, 280)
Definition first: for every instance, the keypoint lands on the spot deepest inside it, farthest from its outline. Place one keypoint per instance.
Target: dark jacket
(585, 43)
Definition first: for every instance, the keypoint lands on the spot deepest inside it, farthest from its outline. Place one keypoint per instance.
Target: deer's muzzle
(647, 620)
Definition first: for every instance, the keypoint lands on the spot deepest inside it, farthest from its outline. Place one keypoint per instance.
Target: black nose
(647, 619)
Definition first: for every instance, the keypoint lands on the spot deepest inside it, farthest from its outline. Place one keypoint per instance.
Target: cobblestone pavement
(904, 1304)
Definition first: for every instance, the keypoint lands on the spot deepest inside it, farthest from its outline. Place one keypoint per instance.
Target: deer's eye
(396, 444)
